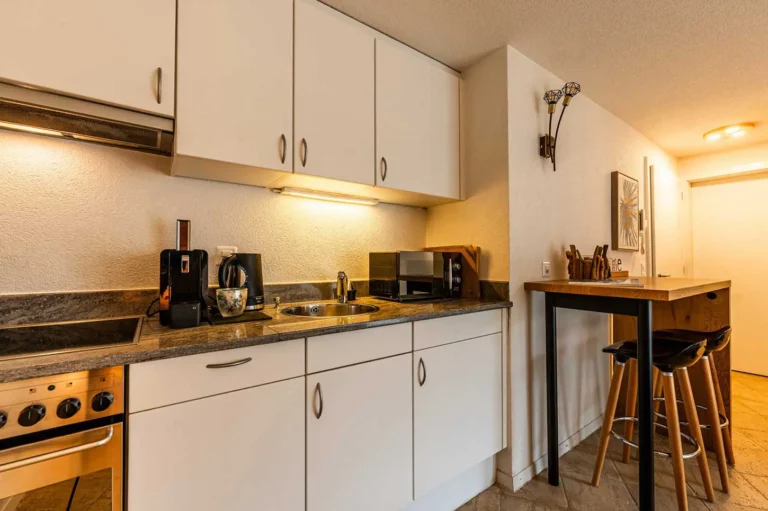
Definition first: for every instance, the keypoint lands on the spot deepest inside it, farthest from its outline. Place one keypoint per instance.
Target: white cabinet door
(417, 122)
(106, 51)
(235, 96)
(334, 95)
(457, 409)
(359, 449)
(238, 451)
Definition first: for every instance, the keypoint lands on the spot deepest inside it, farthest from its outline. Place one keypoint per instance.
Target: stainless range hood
(46, 113)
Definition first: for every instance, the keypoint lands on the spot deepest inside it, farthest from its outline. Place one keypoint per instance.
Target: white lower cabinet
(359, 437)
(238, 451)
(458, 414)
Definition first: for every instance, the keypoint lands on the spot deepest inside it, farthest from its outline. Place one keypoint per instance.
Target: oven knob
(456, 266)
(31, 415)
(102, 401)
(3, 419)
(68, 408)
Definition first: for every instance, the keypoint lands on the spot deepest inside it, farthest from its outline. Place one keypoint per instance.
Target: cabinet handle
(159, 85)
(234, 363)
(318, 393)
(422, 368)
(383, 168)
(303, 152)
(283, 148)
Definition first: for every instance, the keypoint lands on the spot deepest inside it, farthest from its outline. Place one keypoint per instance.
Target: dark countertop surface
(157, 342)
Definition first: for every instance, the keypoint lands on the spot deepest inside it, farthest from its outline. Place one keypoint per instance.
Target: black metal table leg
(552, 426)
(645, 401)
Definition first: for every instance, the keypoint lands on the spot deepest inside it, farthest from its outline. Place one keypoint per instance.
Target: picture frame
(625, 212)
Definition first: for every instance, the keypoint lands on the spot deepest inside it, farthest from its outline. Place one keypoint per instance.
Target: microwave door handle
(450, 277)
(58, 454)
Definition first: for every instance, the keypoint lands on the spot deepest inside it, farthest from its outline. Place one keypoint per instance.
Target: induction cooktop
(50, 338)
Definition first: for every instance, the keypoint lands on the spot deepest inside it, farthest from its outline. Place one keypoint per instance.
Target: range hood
(46, 113)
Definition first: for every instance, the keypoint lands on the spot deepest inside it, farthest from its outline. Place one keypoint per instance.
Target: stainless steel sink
(329, 310)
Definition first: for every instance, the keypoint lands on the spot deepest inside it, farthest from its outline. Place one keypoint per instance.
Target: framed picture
(625, 212)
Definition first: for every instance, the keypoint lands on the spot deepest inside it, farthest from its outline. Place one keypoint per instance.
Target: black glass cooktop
(23, 341)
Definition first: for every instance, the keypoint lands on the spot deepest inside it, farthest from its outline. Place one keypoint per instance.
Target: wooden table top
(658, 289)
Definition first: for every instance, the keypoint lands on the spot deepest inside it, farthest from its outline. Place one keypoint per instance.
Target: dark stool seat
(716, 340)
(668, 354)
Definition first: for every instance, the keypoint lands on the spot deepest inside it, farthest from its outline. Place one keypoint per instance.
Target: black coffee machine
(183, 281)
(244, 270)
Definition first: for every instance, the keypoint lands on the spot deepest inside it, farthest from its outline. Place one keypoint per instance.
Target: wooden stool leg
(610, 413)
(721, 406)
(675, 440)
(658, 388)
(714, 420)
(695, 427)
(630, 410)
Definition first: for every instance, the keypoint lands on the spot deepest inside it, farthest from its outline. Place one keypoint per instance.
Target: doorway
(730, 241)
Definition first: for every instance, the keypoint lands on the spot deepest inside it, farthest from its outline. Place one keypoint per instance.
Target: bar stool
(717, 420)
(669, 357)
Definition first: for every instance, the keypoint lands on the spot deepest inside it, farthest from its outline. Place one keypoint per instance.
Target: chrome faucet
(342, 286)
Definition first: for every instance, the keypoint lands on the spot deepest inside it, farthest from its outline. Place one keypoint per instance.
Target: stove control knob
(3, 419)
(102, 401)
(31, 415)
(68, 408)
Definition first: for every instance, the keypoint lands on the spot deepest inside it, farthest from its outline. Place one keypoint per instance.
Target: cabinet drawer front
(435, 332)
(164, 382)
(347, 348)
(240, 451)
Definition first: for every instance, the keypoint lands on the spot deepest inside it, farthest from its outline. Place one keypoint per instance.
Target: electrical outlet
(546, 269)
(221, 253)
(642, 270)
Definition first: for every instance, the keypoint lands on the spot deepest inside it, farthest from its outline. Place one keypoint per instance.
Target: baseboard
(529, 472)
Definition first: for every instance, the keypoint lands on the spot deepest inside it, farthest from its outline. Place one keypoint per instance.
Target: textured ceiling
(673, 69)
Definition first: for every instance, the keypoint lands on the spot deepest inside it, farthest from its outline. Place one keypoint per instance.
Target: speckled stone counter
(157, 342)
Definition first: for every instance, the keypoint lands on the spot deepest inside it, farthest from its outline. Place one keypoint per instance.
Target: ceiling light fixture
(730, 131)
(547, 143)
(326, 196)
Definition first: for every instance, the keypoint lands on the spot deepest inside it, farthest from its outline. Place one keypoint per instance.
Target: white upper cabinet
(235, 95)
(359, 437)
(120, 53)
(417, 122)
(334, 95)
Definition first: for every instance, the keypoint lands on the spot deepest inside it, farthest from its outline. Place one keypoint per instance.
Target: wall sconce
(548, 143)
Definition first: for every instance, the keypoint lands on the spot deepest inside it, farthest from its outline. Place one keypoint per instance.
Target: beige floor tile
(488, 500)
(743, 418)
(751, 461)
(513, 503)
(539, 490)
(610, 495)
(663, 472)
(742, 492)
(760, 483)
(580, 463)
(666, 499)
(745, 439)
(469, 506)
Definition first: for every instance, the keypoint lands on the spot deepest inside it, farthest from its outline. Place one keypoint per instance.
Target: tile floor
(618, 488)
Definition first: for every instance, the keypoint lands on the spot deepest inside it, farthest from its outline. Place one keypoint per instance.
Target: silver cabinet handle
(159, 85)
(318, 394)
(234, 363)
(422, 368)
(59, 454)
(303, 152)
(283, 148)
(383, 168)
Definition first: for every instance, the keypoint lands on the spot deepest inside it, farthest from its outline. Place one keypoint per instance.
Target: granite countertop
(157, 342)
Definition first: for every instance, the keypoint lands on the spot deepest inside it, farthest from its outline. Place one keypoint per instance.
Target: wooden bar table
(695, 304)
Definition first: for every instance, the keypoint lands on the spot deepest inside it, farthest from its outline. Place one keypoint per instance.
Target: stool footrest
(687, 438)
(724, 422)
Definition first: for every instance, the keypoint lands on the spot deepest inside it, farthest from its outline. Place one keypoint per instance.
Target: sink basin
(317, 310)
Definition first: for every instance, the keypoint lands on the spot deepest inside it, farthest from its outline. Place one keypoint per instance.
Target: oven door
(78, 472)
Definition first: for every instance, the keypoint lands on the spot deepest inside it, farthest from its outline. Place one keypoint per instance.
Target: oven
(61, 443)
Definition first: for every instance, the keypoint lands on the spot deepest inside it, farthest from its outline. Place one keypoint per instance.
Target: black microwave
(415, 275)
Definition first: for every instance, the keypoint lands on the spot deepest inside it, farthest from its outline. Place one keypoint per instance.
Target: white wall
(76, 216)
(548, 211)
(725, 163)
(483, 218)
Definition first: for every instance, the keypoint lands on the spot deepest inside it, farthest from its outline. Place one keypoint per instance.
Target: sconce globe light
(547, 143)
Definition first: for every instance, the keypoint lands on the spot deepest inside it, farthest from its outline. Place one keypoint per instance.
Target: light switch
(546, 269)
